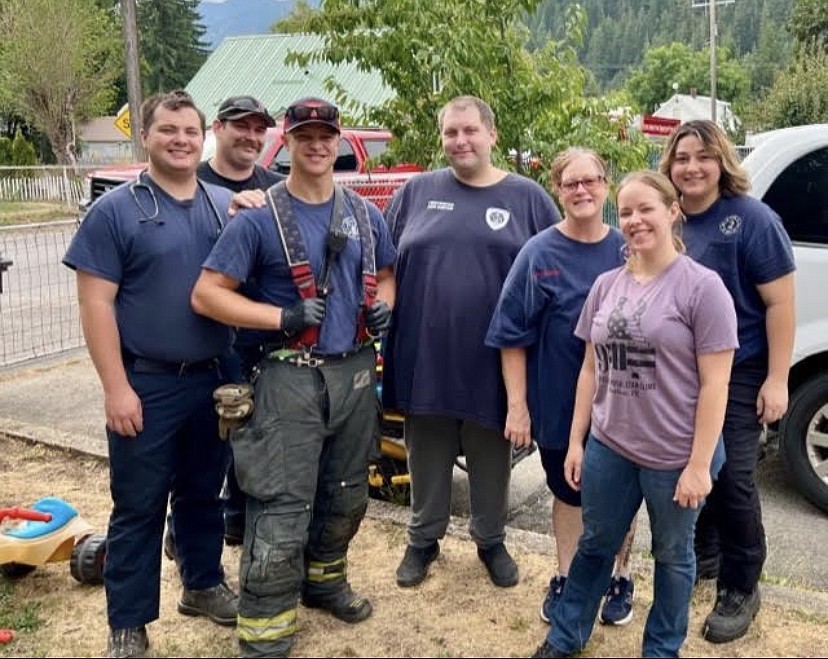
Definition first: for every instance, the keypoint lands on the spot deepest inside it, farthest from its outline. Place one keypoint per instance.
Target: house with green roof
(255, 65)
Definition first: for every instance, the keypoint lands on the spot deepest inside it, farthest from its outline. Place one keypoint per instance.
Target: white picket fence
(53, 184)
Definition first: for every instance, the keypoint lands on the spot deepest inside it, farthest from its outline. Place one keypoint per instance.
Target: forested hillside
(620, 31)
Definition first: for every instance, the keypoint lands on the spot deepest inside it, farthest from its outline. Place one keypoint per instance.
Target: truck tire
(804, 440)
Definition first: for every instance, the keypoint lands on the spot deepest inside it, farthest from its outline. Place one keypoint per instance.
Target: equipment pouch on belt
(234, 405)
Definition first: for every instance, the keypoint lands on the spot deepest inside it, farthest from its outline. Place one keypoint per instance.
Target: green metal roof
(255, 65)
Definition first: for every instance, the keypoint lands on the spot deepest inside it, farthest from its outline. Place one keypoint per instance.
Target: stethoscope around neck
(154, 209)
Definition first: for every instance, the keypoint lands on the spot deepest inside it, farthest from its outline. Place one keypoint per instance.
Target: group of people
(643, 361)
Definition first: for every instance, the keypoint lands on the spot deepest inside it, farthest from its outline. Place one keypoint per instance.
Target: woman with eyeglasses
(744, 241)
(533, 326)
(660, 335)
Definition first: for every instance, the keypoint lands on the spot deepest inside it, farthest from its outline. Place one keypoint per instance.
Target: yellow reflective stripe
(319, 572)
(253, 630)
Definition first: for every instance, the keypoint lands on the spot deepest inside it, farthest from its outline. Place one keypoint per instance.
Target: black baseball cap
(237, 107)
(311, 111)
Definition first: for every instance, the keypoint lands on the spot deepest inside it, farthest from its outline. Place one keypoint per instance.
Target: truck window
(375, 148)
(800, 196)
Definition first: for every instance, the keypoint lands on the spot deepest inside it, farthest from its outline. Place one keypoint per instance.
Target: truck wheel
(87, 562)
(804, 440)
(16, 570)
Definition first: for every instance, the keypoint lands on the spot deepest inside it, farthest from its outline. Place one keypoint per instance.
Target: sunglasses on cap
(297, 113)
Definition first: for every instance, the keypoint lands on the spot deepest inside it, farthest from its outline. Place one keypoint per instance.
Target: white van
(789, 172)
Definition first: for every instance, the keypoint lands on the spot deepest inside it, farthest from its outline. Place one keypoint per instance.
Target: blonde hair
(669, 196)
(565, 158)
(734, 180)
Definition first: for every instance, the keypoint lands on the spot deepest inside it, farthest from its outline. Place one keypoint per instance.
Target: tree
(429, 52)
(799, 96)
(23, 153)
(297, 20)
(809, 21)
(652, 83)
(57, 63)
(171, 42)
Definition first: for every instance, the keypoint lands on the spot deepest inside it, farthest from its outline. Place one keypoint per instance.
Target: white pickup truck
(789, 172)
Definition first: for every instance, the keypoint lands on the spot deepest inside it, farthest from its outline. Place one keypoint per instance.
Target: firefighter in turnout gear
(322, 258)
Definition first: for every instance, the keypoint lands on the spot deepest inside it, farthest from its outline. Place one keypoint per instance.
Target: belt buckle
(307, 359)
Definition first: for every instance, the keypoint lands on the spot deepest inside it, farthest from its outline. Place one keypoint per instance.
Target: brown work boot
(219, 604)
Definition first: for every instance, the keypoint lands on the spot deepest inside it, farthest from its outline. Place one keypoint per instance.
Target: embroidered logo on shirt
(349, 226)
(730, 225)
(440, 205)
(497, 218)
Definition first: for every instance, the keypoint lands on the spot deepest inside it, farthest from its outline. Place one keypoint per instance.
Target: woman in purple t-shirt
(660, 335)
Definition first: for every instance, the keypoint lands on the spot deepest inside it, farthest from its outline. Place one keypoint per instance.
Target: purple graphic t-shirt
(646, 339)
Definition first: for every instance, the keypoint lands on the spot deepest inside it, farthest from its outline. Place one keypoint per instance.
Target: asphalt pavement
(58, 401)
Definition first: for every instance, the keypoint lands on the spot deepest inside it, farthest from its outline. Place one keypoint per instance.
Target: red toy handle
(6, 636)
(24, 513)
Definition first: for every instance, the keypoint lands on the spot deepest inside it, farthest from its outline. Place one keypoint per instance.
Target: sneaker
(548, 650)
(618, 602)
(553, 596)
(219, 604)
(502, 568)
(707, 567)
(130, 642)
(169, 545)
(731, 615)
(344, 604)
(413, 568)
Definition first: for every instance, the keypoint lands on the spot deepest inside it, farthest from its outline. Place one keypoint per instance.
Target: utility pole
(133, 75)
(714, 30)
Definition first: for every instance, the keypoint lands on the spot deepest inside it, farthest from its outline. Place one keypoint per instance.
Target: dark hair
(734, 180)
(174, 100)
(462, 102)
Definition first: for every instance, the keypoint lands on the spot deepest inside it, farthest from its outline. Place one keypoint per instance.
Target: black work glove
(378, 317)
(305, 313)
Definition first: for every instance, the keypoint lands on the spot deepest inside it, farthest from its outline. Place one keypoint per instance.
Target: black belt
(157, 367)
(311, 358)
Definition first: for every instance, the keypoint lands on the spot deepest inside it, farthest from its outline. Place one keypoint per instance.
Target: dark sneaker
(219, 604)
(707, 567)
(618, 602)
(553, 596)
(502, 568)
(130, 642)
(169, 545)
(233, 535)
(548, 650)
(344, 604)
(413, 568)
(731, 615)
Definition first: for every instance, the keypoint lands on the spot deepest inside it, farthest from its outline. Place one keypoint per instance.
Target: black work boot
(413, 568)
(344, 604)
(128, 643)
(548, 650)
(731, 615)
(219, 604)
(707, 567)
(502, 568)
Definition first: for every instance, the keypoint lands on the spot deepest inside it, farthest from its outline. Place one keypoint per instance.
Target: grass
(19, 616)
(19, 212)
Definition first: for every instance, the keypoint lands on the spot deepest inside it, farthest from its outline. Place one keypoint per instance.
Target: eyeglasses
(590, 183)
(297, 113)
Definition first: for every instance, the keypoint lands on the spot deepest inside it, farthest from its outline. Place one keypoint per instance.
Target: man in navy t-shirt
(137, 255)
(457, 231)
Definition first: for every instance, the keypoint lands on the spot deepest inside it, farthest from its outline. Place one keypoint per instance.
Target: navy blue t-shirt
(152, 246)
(456, 244)
(743, 240)
(538, 310)
(250, 248)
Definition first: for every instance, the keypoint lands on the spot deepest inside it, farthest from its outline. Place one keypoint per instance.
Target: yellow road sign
(122, 122)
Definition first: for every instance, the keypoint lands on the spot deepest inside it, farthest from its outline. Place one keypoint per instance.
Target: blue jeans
(612, 490)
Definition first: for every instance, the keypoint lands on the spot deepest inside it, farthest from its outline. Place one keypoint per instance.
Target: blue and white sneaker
(553, 596)
(618, 602)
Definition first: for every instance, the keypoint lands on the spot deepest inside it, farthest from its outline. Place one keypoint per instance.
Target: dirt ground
(457, 612)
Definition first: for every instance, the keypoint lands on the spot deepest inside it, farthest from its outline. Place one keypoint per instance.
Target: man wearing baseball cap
(322, 258)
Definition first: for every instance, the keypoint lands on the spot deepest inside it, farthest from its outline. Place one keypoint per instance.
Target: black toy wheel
(87, 562)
